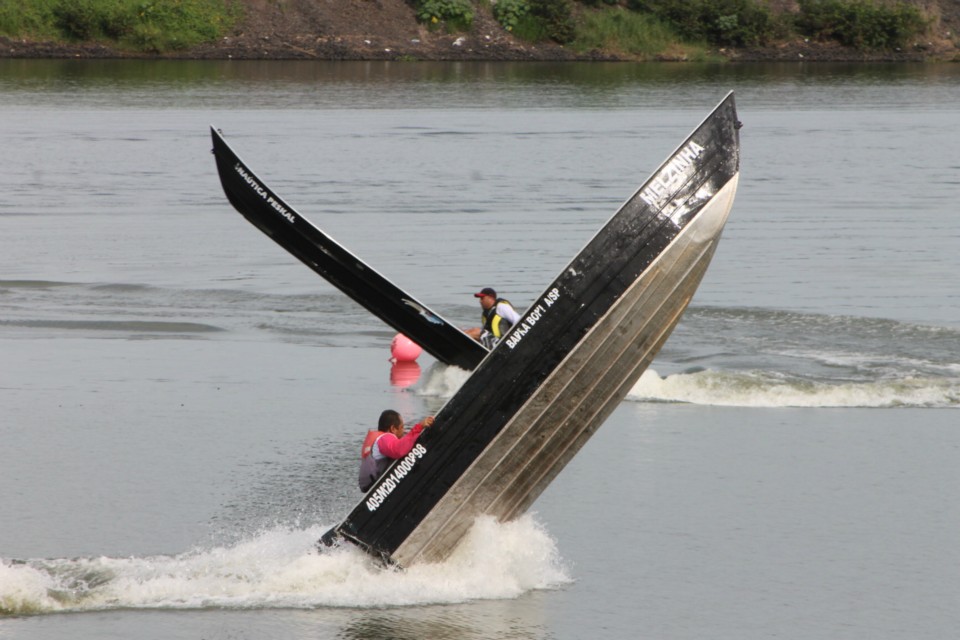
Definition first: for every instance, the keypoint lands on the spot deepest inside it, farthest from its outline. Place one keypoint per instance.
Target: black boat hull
(250, 196)
(555, 377)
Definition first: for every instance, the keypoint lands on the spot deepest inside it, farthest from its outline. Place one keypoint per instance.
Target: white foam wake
(758, 389)
(443, 381)
(768, 389)
(280, 568)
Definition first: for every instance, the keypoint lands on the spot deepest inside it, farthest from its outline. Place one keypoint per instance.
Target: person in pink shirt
(389, 442)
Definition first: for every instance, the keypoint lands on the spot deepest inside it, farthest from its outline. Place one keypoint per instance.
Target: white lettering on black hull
(533, 317)
(399, 473)
(279, 208)
(663, 185)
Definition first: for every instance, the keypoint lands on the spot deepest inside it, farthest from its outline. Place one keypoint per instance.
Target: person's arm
(395, 448)
(508, 313)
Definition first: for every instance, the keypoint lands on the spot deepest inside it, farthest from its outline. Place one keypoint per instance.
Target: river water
(182, 402)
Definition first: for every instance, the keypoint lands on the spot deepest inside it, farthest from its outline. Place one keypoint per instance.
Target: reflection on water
(405, 373)
(405, 85)
(579, 73)
(523, 617)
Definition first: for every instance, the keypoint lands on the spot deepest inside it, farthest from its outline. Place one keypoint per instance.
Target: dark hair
(389, 418)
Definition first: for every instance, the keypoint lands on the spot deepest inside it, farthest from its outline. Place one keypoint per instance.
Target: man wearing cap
(498, 316)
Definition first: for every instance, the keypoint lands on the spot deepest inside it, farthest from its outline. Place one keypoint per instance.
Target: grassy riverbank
(481, 29)
(134, 25)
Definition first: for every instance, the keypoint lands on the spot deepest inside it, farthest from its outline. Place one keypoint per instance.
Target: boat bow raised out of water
(267, 211)
(538, 396)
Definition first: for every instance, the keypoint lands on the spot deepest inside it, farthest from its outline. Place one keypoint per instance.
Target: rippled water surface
(182, 401)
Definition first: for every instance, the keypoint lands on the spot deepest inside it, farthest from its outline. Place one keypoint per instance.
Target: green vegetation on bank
(733, 23)
(645, 28)
(138, 25)
(860, 24)
(456, 15)
(633, 35)
(639, 29)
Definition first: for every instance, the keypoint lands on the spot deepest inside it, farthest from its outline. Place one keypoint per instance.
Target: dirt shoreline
(388, 30)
